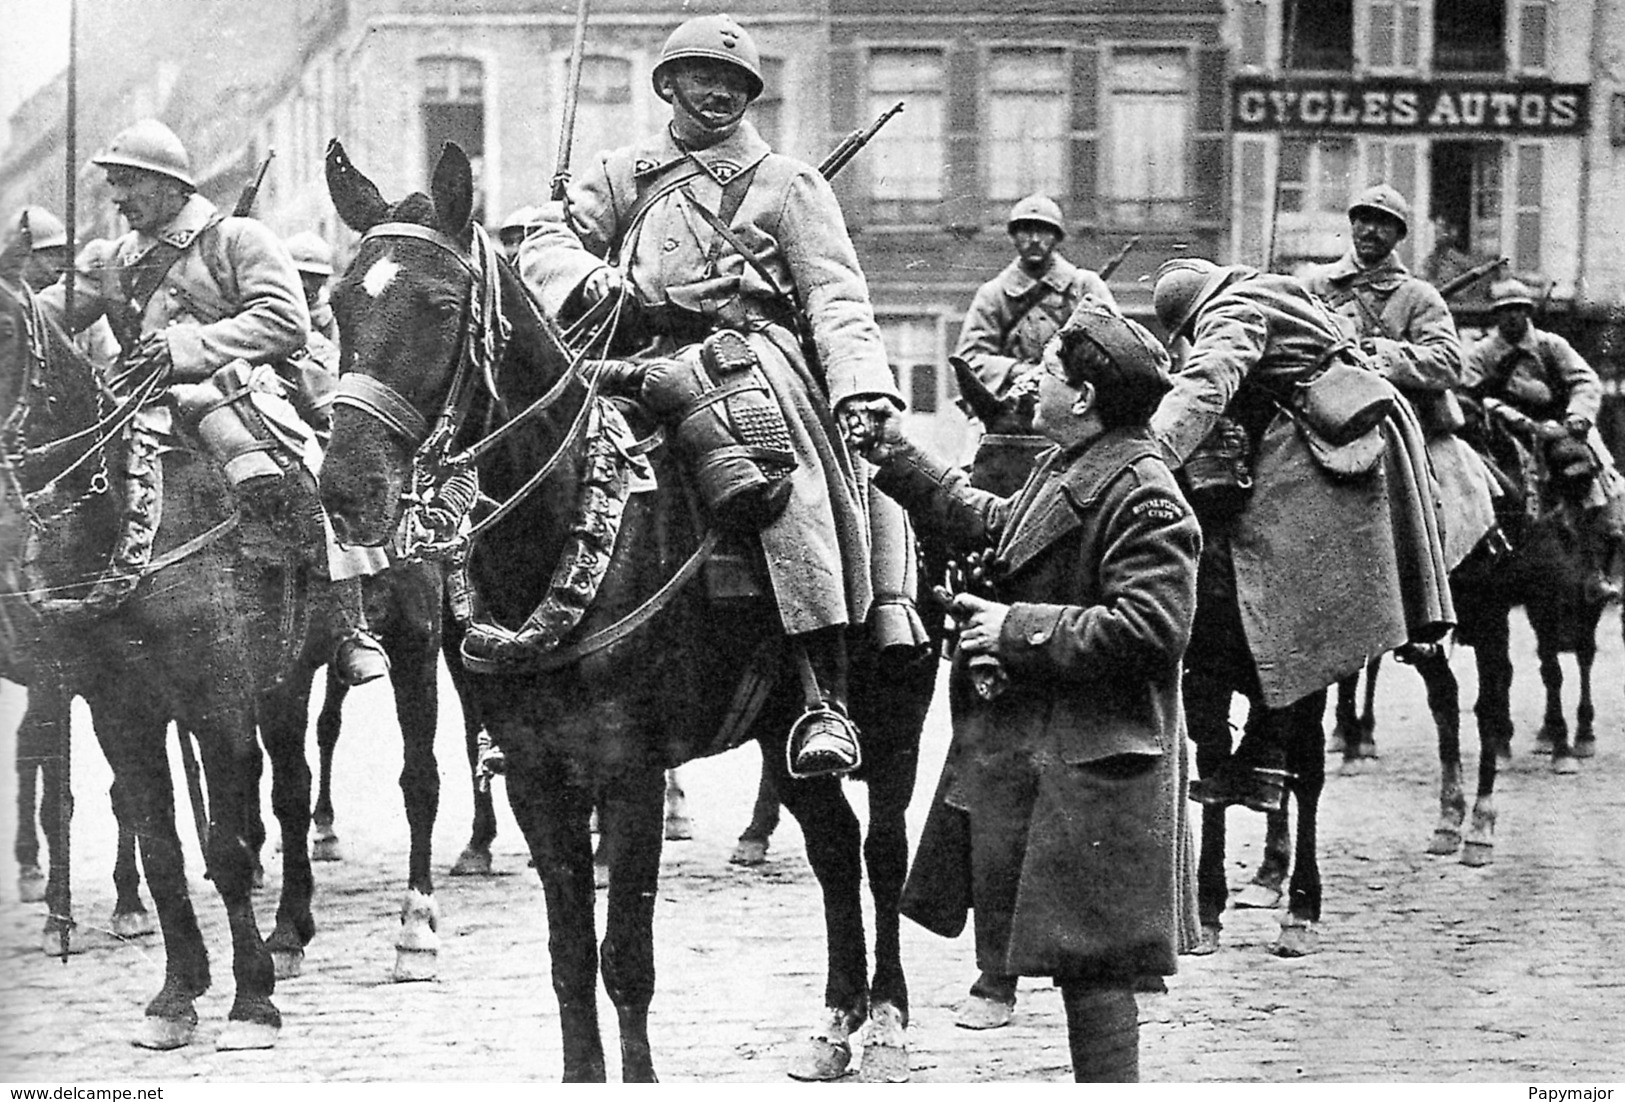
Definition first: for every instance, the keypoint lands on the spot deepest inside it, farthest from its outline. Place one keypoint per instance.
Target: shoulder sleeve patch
(1160, 509)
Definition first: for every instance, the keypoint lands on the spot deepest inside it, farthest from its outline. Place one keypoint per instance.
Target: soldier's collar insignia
(723, 171)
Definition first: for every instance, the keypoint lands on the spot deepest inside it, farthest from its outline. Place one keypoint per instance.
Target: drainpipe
(1596, 66)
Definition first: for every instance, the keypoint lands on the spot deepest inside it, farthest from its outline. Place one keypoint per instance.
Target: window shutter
(1253, 31)
(846, 93)
(1207, 153)
(1398, 164)
(1533, 30)
(1085, 139)
(1252, 197)
(1528, 184)
(964, 140)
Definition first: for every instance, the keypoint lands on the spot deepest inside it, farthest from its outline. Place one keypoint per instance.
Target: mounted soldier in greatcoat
(190, 291)
(722, 259)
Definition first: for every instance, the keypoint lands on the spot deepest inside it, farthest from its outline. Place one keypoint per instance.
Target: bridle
(442, 487)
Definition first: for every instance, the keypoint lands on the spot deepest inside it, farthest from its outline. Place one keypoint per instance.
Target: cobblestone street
(1429, 970)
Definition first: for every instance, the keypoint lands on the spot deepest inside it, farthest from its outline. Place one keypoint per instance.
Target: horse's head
(1008, 446)
(403, 309)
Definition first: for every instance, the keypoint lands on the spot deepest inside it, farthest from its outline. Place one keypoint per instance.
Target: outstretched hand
(980, 623)
(871, 426)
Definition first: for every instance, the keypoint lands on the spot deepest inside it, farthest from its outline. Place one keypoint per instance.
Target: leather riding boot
(1103, 1032)
(358, 657)
(1256, 775)
(823, 741)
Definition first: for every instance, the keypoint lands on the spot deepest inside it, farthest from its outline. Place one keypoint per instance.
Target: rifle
(561, 172)
(1466, 279)
(1116, 262)
(853, 142)
(245, 201)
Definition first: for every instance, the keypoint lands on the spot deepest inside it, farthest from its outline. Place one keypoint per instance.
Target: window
(452, 105)
(1394, 35)
(1469, 36)
(1027, 114)
(1464, 195)
(913, 348)
(1400, 163)
(1319, 35)
(602, 108)
(1150, 120)
(767, 110)
(1316, 175)
(907, 169)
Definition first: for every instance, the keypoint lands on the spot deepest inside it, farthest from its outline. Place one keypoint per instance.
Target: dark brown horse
(600, 724)
(177, 637)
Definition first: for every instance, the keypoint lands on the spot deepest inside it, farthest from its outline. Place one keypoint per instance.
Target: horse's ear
(979, 398)
(14, 257)
(355, 197)
(453, 190)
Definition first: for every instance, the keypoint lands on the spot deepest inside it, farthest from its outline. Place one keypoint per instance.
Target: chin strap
(694, 112)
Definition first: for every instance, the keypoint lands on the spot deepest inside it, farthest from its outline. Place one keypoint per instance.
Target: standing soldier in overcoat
(1320, 540)
(1540, 376)
(1014, 314)
(189, 291)
(721, 256)
(1404, 327)
(1057, 818)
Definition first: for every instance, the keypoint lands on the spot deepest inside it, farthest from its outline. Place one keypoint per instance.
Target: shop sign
(1409, 106)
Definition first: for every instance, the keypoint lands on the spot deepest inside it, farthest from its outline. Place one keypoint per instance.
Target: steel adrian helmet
(149, 145)
(1383, 199)
(1182, 286)
(521, 218)
(1511, 292)
(716, 37)
(310, 253)
(45, 228)
(1037, 208)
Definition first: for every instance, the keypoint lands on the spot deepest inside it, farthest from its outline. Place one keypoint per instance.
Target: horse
(438, 332)
(173, 623)
(1534, 560)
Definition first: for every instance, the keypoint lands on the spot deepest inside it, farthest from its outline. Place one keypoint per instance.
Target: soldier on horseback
(190, 292)
(1304, 571)
(1014, 314)
(720, 258)
(1404, 327)
(1540, 376)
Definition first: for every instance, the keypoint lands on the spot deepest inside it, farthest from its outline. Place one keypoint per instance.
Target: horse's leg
(475, 860)
(1585, 734)
(1478, 847)
(253, 825)
(231, 762)
(1263, 891)
(1346, 718)
(1444, 701)
(552, 812)
(324, 841)
(764, 820)
(130, 915)
(1493, 655)
(679, 827)
(283, 711)
(56, 809)
(631, 811)
(132, 739)
(412, 675)
(1554, 728)
(1207, 714)
(1305, 742)
(1360, 743)
(32, 751)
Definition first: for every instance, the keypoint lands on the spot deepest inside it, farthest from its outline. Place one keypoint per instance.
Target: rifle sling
(1035, 294)
(141, 280)
(669, 179)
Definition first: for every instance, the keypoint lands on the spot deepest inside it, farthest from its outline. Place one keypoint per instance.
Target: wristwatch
(1577, 425)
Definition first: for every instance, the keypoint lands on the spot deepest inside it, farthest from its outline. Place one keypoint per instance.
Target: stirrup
(823, 742)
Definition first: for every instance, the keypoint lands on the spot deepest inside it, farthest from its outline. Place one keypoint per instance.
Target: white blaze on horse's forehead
(379, 276)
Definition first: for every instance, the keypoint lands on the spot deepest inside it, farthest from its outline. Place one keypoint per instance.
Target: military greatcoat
(818, 550)
(1328, 571)
(1407, 322)
(1007, 326)
(1058, 813)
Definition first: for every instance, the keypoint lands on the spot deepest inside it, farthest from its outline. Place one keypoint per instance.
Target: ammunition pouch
(1218, 475)
(729, 428)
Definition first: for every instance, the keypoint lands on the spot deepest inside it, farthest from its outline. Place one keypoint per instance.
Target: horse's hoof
(1207, 943)
(826, 1054)
(472, 862)
(288, 963)
(51, 942)
(164, 1034)
(240, 1036)
(325, 847)
(679, 828)
(415, 965)
(1565, 764)
(259, 878)
(600, 876)
(1543, 744)
(1503, 750)
(1478, 854)
(1262, 897)
(1356, 767)
(981, 1012)
(1585, 747)
(129, 924)
(1366, 750)
(1299, 938)
(885, 1047)
(749, 852)
(30, 884)
(1336, 743)
(1445, 842)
